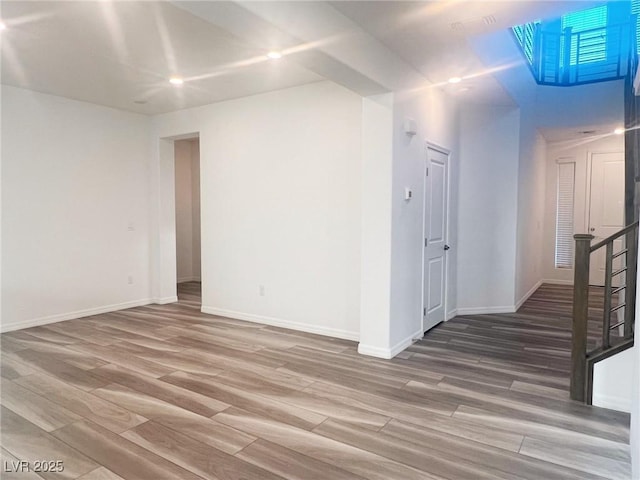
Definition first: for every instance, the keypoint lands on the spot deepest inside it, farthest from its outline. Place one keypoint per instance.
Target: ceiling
(576, 135)
(122, 53)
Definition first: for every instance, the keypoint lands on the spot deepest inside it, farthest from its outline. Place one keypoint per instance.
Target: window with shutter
(564, 219)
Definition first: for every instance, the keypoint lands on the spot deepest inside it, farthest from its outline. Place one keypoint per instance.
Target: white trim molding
(388, 353)
(556, 281)
(451, 314)
(612, 403)
(526, 296)
(485, 310)
(60, 317)
(499, 309)
(279, 322)
(165, 300)
(372, 351)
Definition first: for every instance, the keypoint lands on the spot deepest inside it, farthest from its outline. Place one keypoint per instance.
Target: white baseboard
(526, 296)
(165, 300)
(485, 310)
(37, 322)
(279, 322)
(187, 279)
(612, 403)
(372, 351)
(498, 309)
(555, 281)
(388, 353)
(451, 314)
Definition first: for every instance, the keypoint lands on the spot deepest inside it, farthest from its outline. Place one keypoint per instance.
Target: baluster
(608, 269)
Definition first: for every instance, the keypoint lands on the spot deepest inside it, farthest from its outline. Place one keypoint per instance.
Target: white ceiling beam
(317, 37)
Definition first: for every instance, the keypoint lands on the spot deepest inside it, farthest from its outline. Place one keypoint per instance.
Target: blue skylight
(591, 27)
(635, 10)
(525, 35)
(588, 46)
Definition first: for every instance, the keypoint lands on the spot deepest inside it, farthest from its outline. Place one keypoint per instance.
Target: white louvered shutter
(564, 219)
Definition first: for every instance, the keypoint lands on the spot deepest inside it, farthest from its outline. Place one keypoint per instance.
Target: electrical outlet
(130, 279)
(261, 290)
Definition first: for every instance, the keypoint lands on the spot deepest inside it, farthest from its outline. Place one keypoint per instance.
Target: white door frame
(445, 151)
(163, 225)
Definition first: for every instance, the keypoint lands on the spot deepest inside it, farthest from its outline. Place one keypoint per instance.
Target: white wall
(375, 273)
(187, 194)
(391, 299)
(283, 183)
(612, 381)
(487, 209)
(579, 151)
(531, 202)
(75, 208)
(435, 115)
(281, 206)
(195, 209)
(542, 107)
(497, 50)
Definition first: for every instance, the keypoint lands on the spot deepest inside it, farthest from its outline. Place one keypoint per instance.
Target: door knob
(447, 247)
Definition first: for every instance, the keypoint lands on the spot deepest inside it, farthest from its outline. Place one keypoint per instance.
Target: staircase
(618, 313)
(616, 331)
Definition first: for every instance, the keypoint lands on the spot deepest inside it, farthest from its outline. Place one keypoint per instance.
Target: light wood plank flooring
(166, 392)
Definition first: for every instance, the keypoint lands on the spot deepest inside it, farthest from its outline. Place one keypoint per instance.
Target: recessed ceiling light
(3, 26)
(274, 55)
(455, 80)
(619, 131)
(176, 81)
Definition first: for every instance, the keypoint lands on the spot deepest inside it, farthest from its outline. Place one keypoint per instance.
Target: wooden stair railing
(583, 361)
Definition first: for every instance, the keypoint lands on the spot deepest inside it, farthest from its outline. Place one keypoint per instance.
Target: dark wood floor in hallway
(166, 392)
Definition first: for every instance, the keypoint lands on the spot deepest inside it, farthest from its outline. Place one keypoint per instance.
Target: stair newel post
(580, 315)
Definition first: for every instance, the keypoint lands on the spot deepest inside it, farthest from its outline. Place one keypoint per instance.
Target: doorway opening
(187, 214)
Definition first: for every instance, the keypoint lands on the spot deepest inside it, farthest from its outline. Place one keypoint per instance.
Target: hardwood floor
(161, 392)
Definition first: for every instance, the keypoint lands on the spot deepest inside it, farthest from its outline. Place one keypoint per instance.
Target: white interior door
(606, 208)
(435, 238)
